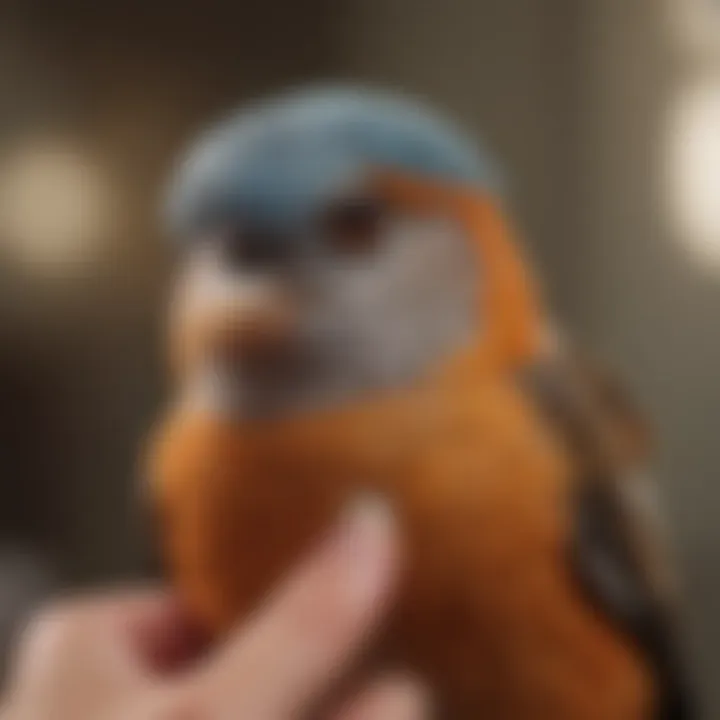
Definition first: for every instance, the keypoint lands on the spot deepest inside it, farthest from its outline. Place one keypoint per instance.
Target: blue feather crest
(278, 162)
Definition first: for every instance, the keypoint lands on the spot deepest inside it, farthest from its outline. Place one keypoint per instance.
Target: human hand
(134, 654)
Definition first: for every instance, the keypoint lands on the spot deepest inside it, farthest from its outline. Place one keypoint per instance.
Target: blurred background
(605, 113)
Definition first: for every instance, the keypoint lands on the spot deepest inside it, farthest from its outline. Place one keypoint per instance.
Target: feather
(616, 546)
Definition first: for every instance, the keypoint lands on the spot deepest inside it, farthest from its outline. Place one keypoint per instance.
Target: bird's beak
(248, 322)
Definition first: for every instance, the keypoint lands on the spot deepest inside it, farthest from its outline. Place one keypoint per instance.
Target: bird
(353, 313)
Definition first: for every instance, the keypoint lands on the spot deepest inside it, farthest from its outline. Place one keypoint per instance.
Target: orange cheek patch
(507, 293)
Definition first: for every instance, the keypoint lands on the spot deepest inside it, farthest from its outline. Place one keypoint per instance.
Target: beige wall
(649, 305)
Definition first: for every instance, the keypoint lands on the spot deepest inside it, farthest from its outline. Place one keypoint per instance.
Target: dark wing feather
(616, 546)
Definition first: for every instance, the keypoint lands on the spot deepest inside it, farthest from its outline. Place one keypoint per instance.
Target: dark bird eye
(253, 249)
(354, 225)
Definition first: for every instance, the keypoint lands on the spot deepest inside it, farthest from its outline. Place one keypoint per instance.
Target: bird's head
(338, 242)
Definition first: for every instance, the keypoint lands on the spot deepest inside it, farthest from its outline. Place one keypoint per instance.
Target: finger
(389, 699)
(311, 628)
(85, 629)
(135, 630)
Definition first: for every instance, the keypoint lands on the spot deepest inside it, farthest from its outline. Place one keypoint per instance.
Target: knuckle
(54, 625)
(48, 637)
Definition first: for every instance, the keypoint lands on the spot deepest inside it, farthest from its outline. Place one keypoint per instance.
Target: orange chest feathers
(488, 610)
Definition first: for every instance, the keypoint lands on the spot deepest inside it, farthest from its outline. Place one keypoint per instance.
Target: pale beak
(240, 322)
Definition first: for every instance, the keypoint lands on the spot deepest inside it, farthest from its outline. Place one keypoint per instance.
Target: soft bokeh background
(606, 114)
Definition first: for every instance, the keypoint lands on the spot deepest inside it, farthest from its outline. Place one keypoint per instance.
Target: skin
(134, 655)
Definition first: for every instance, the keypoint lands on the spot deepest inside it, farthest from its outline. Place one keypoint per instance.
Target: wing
(616, 547)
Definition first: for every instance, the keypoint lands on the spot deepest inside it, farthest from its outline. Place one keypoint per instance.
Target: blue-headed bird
(353, 314)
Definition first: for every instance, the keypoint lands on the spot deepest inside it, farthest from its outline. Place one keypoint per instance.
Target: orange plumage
(355, 316)
(489, 611)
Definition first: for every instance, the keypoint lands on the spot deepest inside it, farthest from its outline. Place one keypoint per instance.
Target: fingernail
(368, 547)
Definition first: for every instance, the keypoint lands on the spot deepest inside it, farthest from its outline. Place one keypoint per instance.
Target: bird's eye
(353, 226)
(253, 249)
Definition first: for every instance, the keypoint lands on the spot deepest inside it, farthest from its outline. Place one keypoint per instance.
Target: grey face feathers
(280, 194)
(368, 320)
